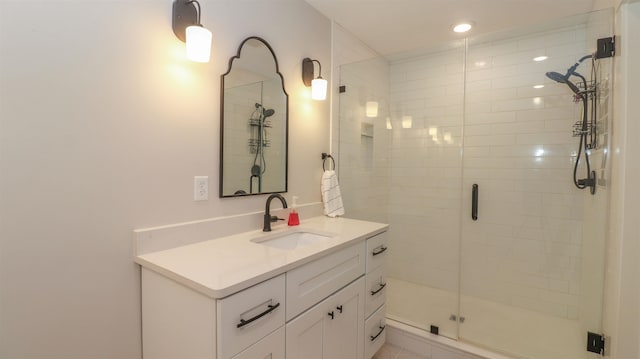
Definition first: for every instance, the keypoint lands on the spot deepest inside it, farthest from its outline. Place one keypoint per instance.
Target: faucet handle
(276, 218)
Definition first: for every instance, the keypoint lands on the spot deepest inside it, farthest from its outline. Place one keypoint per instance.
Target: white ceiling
(395, 26)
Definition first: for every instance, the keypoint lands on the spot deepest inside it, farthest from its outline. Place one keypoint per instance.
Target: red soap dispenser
(294, 220)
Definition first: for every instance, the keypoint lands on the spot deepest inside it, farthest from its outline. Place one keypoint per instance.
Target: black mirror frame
(286, 145)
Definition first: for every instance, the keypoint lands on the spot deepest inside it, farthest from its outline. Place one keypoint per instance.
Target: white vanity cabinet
(329, 306)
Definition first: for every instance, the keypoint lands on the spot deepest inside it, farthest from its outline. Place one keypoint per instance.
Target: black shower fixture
(257, 143)
(586, 127)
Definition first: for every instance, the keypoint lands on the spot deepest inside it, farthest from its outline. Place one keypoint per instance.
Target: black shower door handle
(474, 202)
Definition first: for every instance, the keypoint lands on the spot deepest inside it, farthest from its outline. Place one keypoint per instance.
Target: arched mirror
(254, 123)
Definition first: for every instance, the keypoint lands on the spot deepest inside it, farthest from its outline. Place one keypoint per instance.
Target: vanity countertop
(223, 266)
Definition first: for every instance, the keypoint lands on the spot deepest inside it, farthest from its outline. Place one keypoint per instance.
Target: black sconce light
(187, 27)
(318, 84)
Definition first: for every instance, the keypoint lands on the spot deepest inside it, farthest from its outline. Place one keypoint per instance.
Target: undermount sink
(293, 239)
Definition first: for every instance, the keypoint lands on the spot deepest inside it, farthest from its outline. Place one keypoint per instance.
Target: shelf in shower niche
(256, 123)
(366, 130)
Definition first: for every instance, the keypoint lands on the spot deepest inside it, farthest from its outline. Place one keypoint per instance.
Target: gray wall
(103, 124)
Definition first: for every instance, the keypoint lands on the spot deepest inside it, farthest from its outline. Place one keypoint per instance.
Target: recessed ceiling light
(538, 86)
(462, 27)
(540, 58)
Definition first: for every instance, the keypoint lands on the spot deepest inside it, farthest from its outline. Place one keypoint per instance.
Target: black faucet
(267, 217)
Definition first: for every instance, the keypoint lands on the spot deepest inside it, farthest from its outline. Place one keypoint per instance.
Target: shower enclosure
(468, 151)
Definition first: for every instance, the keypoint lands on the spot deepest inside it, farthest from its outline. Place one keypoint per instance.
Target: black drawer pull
(330, 314)
(474, 202)
(380, 251)
(271, 309)
(374, 337)
(382, 285)
(339, 308)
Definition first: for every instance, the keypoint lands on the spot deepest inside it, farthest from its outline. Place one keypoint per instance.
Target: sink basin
(292, 240)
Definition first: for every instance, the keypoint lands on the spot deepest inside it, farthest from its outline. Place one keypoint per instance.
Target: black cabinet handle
(374, 337)
(379, 251)
(269, 310)
(382, 285)
(339, 308)
(330, 314)
(474, 202)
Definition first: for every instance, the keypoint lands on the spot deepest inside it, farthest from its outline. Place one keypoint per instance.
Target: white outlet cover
(200, 188)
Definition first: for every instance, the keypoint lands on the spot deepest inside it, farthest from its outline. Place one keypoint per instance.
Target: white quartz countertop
(222, 266)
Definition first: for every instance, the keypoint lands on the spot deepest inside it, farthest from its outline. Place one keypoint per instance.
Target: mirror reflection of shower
(586, 92)
(258, 142)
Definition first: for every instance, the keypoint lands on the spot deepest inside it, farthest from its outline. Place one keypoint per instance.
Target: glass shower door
(532, 263)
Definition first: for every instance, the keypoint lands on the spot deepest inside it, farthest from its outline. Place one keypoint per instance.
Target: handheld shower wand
(563, 79)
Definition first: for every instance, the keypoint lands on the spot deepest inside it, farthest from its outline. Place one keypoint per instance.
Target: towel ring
(324, 160)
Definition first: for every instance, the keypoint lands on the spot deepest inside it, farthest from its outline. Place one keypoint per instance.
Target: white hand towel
(331, 194)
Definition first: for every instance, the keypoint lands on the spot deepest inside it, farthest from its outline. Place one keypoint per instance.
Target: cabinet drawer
(270, 347)
(376, 251)
(249, 315)
(375, 333)
(309, 284)
(376, 292)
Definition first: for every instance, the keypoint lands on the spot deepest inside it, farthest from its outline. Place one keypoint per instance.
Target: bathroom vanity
(312, 291)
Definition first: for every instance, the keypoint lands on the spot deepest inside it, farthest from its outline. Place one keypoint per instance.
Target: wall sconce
(187, 27)
(318, 85)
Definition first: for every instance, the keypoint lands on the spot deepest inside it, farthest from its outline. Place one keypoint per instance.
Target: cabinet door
(344, 331)
(305, 334)
(332, 329)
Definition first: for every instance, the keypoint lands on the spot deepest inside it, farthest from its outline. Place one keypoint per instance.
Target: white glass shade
(319, 89)
(198, 43)
(407, 121)
(371, 109)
